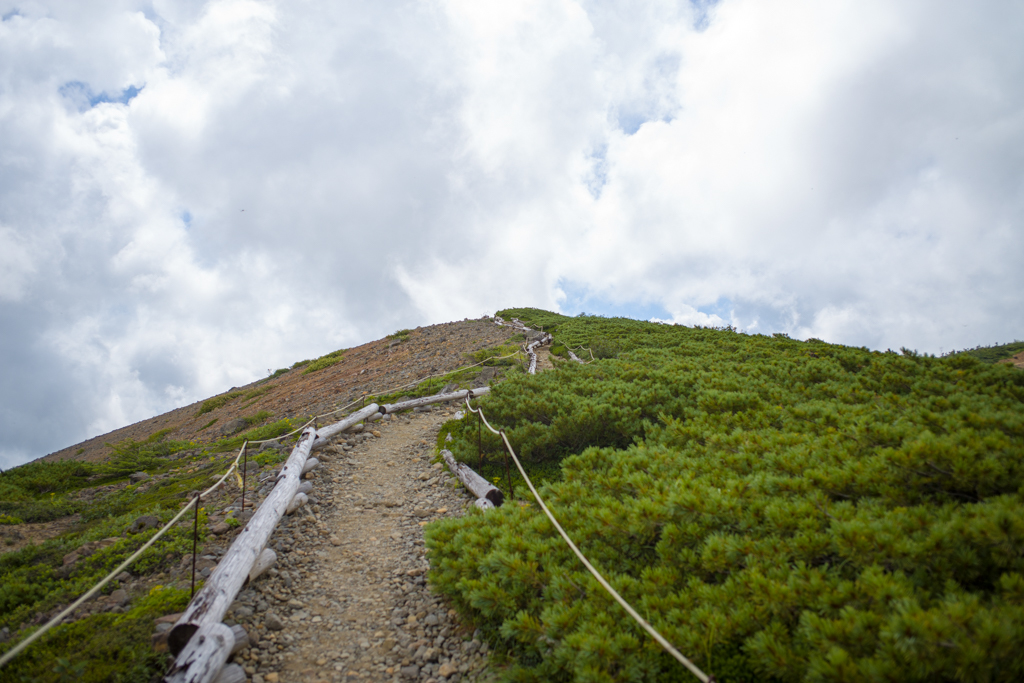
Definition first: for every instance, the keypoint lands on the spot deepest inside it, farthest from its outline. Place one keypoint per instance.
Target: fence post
(195, 537)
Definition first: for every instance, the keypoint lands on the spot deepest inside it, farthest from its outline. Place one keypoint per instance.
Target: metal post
(245, 471)
(479, 436)
(195, 537)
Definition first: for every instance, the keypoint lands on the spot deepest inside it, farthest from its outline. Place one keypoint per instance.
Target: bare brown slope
(373, 367)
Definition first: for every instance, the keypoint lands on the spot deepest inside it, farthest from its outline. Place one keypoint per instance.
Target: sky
(193, 193)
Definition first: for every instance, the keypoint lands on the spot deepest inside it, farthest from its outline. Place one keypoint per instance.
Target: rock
(159, 641)
(271, 677)
(71, 558)
(220, 528)
(273, 622)
(431, 620)
(335, 540)
(376, 433)
(411, 671)
(446, 670)
(123, 576)
(233, 427)
(120, 597)
(137, 477)
(142, 523)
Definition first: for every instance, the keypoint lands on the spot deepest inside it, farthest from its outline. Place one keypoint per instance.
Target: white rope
(704, 678)
(13, 652)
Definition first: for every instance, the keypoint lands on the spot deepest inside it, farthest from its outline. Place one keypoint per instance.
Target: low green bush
(779, 510)
(211, 404)
(326, 361)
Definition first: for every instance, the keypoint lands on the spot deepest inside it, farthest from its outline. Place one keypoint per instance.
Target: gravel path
(348, 599)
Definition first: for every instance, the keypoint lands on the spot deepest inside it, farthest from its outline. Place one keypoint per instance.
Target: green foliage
(779, 510)
(277, 373)
(211, 404)
(34, 492)
(496, 352)
(300, 363)
(103, 647)
(400, 335)
(993, 354)
(268, 431)
(209, 424)
(327, 361)
(9, 519)
(536, 318)
(141, 456)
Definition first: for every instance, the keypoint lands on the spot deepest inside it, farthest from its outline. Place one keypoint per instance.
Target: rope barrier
(385, 392)
(704, 678)
(13, 652)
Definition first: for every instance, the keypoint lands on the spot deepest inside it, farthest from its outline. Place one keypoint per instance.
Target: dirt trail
(349, 600)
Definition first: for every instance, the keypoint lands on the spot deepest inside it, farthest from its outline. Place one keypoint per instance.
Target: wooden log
(264, 561)
(298, 501)
(203, 655)
(440, 398)
(241, 638)
(374, 417)
(574, 357)
(305, 487)
(483, 504)
(310, 464)
(209, 604)
(324, 434)
(477, 485)
(232, 673)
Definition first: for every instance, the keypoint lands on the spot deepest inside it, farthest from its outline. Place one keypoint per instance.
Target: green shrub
(278, 373)
(779, 510)
(208, 424)
(299, 364)
(327, 361)
(268, 431)
(211, 404)
(400, 335)
(9, 519)
(103, 647)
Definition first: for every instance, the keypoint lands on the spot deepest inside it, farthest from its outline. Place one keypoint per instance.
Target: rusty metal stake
(195, 537)
(245, 471)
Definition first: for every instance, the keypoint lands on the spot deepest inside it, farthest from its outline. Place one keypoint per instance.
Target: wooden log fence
(487, 495)
(199, 640)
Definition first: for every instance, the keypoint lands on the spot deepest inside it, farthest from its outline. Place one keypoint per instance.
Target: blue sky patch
(579, 300)
(84, 98)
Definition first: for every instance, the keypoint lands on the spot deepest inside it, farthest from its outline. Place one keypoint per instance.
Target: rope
(385, 392)
(13, 652)
(704, 678)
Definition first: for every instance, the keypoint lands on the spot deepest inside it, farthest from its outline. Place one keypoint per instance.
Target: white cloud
(191, 193)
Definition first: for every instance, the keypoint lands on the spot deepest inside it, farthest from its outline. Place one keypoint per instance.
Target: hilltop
(309, 387)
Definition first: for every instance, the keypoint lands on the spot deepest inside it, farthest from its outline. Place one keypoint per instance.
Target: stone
(272, 677)
(233, 427)
(120, 597)
(71, 558)
(446, 670)
(273, 622)
(431, 620)
(123, 576)
(411, 671)
(137, 477)
(142, 523)
(220, 528)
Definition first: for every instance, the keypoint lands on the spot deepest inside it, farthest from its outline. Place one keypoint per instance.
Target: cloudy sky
(192, 193)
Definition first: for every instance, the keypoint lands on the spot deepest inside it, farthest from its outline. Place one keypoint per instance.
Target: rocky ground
(348, 599)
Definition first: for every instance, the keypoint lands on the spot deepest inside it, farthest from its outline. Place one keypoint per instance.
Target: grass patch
(269, 431)
(300, 364)
(209, 424)
(992, 354)
(332, 358)
(277, 373)
(400, 335)
(103, 647)
(211, 404)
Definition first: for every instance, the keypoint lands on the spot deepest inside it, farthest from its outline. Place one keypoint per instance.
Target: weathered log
(440, 398)
(232, 673)
(310, 464)
(264, 561)
(241, 638)
(305, 487)
(477, 485)
(209, 605)
(202, 656)
(374, 417)
(324, 434)
(483, 504)
(298, 501)
(574, 356)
